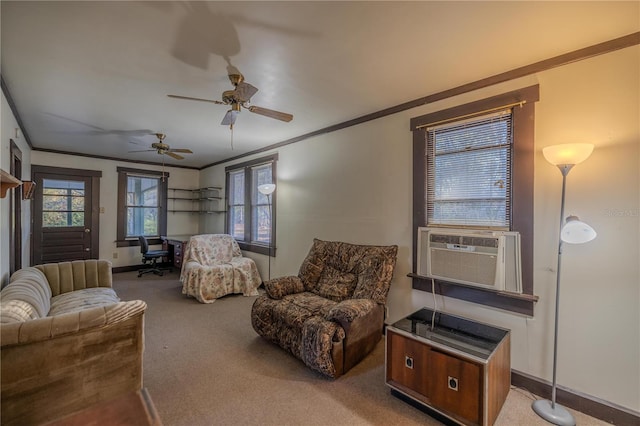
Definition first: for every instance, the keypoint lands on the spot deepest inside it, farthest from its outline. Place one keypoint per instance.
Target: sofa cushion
(335, 284)
(310, 272)
(82, 299)
(26, 297)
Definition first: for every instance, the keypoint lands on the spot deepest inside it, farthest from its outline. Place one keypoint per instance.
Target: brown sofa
(331, 315)
(67, 342)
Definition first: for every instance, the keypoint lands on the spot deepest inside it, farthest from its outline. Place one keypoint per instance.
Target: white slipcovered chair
(214, 267)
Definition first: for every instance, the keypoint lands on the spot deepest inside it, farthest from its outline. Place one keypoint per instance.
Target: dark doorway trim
(94, 175)
(15, 207)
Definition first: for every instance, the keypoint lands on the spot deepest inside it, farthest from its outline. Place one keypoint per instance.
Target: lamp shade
(267, 188)
(577, 232)
(570, 153)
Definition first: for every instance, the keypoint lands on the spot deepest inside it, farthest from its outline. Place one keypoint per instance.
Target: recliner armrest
(347, 311)
(277, 288)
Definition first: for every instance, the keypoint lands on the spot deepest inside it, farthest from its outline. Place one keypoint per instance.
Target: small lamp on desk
(267, 189)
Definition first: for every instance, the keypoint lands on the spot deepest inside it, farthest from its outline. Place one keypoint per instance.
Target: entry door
(65, 216)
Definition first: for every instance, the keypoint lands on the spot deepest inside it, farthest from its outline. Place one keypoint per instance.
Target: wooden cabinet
(175, 245)
(459, 368)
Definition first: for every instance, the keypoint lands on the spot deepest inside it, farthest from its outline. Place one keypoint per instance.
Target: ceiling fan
(163, 149)
(239, 98)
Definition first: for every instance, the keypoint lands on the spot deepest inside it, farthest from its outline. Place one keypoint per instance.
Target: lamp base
(557, 415)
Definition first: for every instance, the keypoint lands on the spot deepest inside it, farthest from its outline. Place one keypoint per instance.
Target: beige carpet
(204, 365)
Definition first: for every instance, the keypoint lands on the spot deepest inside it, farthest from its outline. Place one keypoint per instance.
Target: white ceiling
(92, 77)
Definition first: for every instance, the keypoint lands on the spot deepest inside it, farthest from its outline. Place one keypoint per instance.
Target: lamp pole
(564, 157)
(267, 189)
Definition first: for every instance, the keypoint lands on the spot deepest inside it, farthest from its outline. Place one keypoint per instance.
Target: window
(142, 196)
(250, 214)
(469, 172)
(473, 167)
(63, 203)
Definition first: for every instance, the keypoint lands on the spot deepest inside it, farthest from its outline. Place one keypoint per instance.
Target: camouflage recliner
(331, 314)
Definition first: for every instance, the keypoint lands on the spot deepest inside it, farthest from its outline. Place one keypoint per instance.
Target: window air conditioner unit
(485, 259)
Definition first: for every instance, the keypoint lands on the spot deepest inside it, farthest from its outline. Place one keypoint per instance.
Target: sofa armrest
(18, 333)
(362, 321)
(277, 288)
(348, 311)
(65, 363)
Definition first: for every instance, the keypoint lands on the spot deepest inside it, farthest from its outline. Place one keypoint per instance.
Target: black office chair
(151, 256)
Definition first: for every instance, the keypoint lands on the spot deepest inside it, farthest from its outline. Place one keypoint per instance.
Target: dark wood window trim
(247, 244)
(123, 172)
(522, 197)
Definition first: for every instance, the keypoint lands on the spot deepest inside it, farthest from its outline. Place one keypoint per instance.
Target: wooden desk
(175, 245)
(132, 409)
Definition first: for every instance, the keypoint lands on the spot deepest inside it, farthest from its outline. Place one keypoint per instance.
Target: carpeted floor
(204, 365)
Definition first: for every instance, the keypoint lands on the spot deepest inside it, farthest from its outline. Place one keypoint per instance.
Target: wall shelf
(196, 200)
(7, 181)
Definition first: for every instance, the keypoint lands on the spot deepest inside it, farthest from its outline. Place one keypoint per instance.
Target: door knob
(87, 249)
(87, 230)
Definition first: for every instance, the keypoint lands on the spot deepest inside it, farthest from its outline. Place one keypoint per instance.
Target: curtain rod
(473, 114)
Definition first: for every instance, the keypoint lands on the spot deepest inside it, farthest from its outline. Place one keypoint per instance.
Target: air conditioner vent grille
(464, 240)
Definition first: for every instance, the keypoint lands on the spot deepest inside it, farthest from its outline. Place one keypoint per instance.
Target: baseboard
(587, 404)
(130, 268)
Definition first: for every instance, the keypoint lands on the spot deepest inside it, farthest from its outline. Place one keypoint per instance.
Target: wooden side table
(132, 409)
(457, 367)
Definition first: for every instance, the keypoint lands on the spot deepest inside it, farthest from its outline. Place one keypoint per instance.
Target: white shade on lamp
(267, 188)
(577, 232)
(570, 153)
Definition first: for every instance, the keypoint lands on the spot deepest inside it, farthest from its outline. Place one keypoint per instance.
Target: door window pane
(63, 203)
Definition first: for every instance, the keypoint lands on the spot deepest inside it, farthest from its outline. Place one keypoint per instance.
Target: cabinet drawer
(455, 386)
(407, 364)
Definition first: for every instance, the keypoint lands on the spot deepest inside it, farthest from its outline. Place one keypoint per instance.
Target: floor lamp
(572, 231)
(267, 189)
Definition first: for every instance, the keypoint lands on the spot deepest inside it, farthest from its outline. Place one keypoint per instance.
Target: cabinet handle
(408, 362)
(452, 383)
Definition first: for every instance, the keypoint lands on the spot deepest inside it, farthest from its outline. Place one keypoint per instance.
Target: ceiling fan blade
(244, 91)
(176, 156)
(184, 150)
(229, 117)
(271, 113)
(188, 98)
(144, 150)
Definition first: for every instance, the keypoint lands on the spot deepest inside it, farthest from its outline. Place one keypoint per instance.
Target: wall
(177, 223)
(8, 126)
(355, 185)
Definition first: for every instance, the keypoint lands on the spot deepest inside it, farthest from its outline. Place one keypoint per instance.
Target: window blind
(468, 169)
